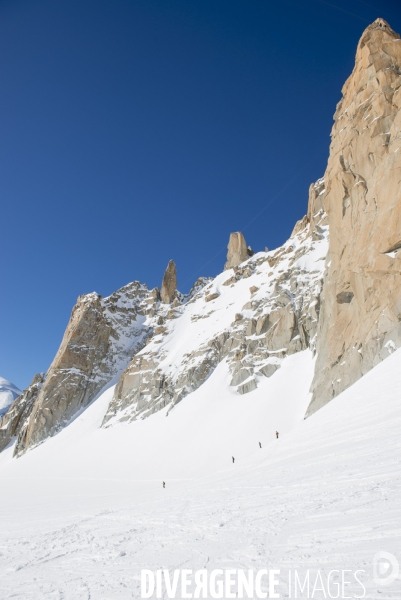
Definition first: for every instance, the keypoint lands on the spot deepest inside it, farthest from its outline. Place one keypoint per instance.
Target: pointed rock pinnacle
(169, 284)
(237, 250)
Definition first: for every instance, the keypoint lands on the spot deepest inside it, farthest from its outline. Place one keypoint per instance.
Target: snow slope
(8, 393)
(198, 437)
(84, 512)
(253, 316)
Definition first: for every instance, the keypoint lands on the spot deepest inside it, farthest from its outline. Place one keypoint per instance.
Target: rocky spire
(169, 285)
(237, 250)
(379, 26)
(360, 316)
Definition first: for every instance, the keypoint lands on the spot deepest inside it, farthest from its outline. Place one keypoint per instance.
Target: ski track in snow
(326, 495)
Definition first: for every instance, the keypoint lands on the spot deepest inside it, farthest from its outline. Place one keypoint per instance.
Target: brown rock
(230, 281)
(210, 297)
(237, 250)
(361, 307)
(169, 286)
(160, 330)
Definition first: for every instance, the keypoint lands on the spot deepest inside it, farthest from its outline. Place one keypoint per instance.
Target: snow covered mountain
(151, 386)
(8, 393)
(252, 316)
(334, 288)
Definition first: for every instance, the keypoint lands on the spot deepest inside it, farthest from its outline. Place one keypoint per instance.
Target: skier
(277, 434)
(233, 459)
(164, 484)
(260, 445)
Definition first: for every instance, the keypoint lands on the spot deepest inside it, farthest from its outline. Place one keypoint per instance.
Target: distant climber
(164, 484)
(233, 459)
(260, 445)
(277, 434)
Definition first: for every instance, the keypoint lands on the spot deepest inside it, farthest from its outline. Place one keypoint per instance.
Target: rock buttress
(361, 305)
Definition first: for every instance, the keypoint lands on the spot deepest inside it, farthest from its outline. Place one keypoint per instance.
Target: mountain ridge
(334, 287)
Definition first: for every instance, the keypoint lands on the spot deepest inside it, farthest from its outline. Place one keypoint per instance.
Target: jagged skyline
(251, 425)
(105, 180)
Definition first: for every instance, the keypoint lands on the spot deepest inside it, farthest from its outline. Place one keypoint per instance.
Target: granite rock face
(361, 303)
(168, 290)
(101, 338)
(237, 250)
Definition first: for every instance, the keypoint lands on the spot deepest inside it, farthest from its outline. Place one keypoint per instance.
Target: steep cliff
(101, 338)
(361, 303)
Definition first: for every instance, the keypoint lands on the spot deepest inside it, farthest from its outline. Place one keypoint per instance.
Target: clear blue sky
(136, 131)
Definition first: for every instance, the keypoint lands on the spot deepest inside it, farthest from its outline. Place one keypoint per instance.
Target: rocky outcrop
(19, 411)
(102, 336)
(238, 251)
(361, 304)
(169, 285)
(279, 318)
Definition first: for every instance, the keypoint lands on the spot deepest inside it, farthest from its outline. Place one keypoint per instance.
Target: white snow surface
(83, 513)
(8, 393)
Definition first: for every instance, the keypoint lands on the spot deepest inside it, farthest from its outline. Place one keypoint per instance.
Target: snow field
(85, 512)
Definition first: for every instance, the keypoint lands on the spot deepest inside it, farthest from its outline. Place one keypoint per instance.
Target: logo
(385, 568)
